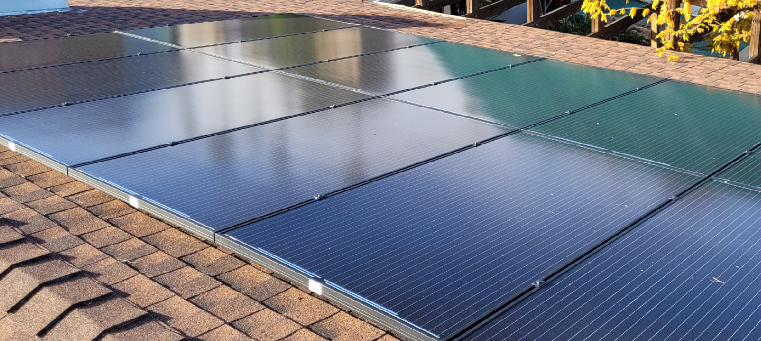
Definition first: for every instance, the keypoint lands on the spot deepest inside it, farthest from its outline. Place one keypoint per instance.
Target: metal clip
(538, 284)
(319, 197)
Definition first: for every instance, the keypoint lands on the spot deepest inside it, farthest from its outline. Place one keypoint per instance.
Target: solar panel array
(442, 191)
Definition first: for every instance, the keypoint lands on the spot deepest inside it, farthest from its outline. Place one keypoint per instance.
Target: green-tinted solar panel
(746, 172)
(684, 125)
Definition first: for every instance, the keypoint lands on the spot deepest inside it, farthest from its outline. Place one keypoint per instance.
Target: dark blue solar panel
(450, 240)
(95, 130)
(693, 272)
(527, 94)
(37, 53)
(31, 89)
(684, 125)
(228, 179)
(235, 30)
(314, 47)
(408, 68)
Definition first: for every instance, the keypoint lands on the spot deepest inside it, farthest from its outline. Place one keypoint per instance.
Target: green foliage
(575, 24)
(632, 37)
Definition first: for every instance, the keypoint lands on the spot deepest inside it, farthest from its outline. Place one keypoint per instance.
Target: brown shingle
(17, 158)
(10, 179)
(87, 322)
(18, 253)
(156, 264)
(142, 291)
(227, 303)
(83, 255)
(111, 209)
(26, 192)
(254, 283)
(266, 325)
(343, 326)
(304, 335)
(225, 333)
(188, 282)
(388, 337)
(51, 204)
(8, 235)
(8, 205)
(139, 224)
(105, 237)
(300, 306)
(70, 188)
(78, 221)
(50, 179)
(110, 271)
(185, 316)
(22, 280)
(149, 331)
(50, 302)
(175, 242)
(57, 239)
(212, 261)
(90, 198)
(27, 168)
(28, 221)
(130, 249)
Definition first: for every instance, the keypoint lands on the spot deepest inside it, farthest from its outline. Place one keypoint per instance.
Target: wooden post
(675, 17)
(472, 6)
(653, 33)
(597, 24)
(421, 4)
(755, 39)
(532, 10)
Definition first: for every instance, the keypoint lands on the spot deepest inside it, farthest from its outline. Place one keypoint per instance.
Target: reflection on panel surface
(231, 178)
(692, 272)
(527, 94)
(684, 125)
(235, 30)
(314, 47)
(447, 241)
(31, 89)
(403, 69)
(95, 130)
(36, 53)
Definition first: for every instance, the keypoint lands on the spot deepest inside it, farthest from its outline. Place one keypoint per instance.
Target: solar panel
(235, 30)
(445, 242)
(527, 94)
(314, 47)
(229, 179)
(39, 88)
(689, 273)
(747, 172)
(684, 125)
(101, 129)
(408, 68)
(74, 49)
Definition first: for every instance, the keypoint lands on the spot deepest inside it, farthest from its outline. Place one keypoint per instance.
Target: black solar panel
(315, 47)
(527, 94)
(408, 68)
(690, 273)
(443, 243)
(95, 130)
(230, 31)
(228, 179)
(74, 49)
(684, 125)
(39, 88)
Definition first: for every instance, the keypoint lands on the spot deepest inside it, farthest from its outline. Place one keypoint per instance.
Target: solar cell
(408, 68)
(314, 47)
(229, 179)
(73, 49)
(235, 30)
(746, 172)
(527, 94)
(450, 240)
(39, 88)
(689, 273)
(684, 125)
(101, 129)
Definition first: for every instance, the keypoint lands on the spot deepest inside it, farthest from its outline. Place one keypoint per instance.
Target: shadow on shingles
(86, 20)
(11, 222)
